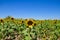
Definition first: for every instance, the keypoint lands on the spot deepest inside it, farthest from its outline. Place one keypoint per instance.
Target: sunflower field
(29, 29)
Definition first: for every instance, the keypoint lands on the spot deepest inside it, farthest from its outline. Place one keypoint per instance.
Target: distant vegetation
(29, 29)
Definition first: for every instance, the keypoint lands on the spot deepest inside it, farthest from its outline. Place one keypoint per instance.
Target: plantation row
(29, 29)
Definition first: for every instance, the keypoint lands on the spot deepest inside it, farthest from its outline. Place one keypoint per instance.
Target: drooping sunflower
(30, 23)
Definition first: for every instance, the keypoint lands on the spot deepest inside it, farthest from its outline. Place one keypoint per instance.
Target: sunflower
(1, 20)
(12, 18)
(21, 21)
(34, 24)
(53, 22)
(30, 23)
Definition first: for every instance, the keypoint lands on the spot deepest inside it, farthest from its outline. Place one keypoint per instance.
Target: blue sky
(37, 9)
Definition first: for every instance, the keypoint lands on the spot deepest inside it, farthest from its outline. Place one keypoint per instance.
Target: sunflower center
(30, 23)
(1, 20)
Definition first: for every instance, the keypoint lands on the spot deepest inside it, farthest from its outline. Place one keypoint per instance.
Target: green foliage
(42, 31)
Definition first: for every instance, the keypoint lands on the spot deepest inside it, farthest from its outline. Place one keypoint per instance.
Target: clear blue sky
(37, 9)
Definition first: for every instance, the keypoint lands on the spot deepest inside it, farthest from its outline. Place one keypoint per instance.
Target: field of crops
(29, 29)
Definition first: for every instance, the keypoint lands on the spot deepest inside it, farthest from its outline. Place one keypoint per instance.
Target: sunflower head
(21, 21)
(55, 21)
(34, 24)
(30, 23)
(1, 20)
(12, 18)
